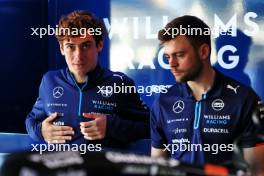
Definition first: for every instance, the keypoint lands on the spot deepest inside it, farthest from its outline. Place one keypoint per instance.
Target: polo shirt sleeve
(36, 116)
(157, 134)
(131, 120)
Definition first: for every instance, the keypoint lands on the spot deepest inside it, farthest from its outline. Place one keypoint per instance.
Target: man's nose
(173, 62)
(77, 53)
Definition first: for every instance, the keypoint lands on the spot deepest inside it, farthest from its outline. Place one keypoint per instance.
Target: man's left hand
(94, 129)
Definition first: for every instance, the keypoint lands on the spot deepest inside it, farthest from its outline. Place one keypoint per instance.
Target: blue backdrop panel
(135, 49)
(23, 60)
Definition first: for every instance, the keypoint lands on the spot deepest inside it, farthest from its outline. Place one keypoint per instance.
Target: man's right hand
(54, 133)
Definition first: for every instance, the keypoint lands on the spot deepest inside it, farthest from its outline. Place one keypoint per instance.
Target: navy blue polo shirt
(127, 115)
(205, 129)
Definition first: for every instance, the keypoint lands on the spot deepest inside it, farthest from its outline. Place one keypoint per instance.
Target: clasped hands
(91, 130)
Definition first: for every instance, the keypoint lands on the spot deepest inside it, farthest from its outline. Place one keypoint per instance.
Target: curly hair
(80, 20)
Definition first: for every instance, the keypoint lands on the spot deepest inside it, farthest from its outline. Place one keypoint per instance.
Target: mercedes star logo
(178, 106)
(57, 92)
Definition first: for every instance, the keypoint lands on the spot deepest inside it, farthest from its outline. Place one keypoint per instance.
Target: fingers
(89, 115)
(59, 137)
(51, 117)
(94, 129)
(93, 135)
(61, 128)
(62, 133)
(56, 141)
(88, 127)
(93, 115)
(97, 137)
(54, 133)
(88, 124)
(89, 130)
(62, 138)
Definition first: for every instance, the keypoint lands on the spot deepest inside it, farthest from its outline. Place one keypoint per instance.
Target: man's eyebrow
(86, 42)
(68, 43)
(176, 52)
(180, 52)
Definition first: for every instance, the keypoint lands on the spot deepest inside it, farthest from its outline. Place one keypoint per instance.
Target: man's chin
(178, 79)
(79, 72)
(82, 70)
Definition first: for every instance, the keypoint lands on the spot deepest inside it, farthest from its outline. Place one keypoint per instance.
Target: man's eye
(180, 55)
(86, 45)
(69, 46)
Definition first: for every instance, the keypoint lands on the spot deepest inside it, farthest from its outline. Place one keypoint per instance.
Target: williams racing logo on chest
(104, 105)
(215, 123)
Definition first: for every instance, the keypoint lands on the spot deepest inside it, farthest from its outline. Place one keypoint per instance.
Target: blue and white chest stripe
(197, 116)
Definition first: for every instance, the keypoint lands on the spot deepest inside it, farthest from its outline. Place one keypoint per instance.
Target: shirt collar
(214, 92)
(93, 76)
(217, 87)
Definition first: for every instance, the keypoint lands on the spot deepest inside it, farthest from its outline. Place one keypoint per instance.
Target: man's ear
(100, 46)
(204, 51)
(61, 48)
